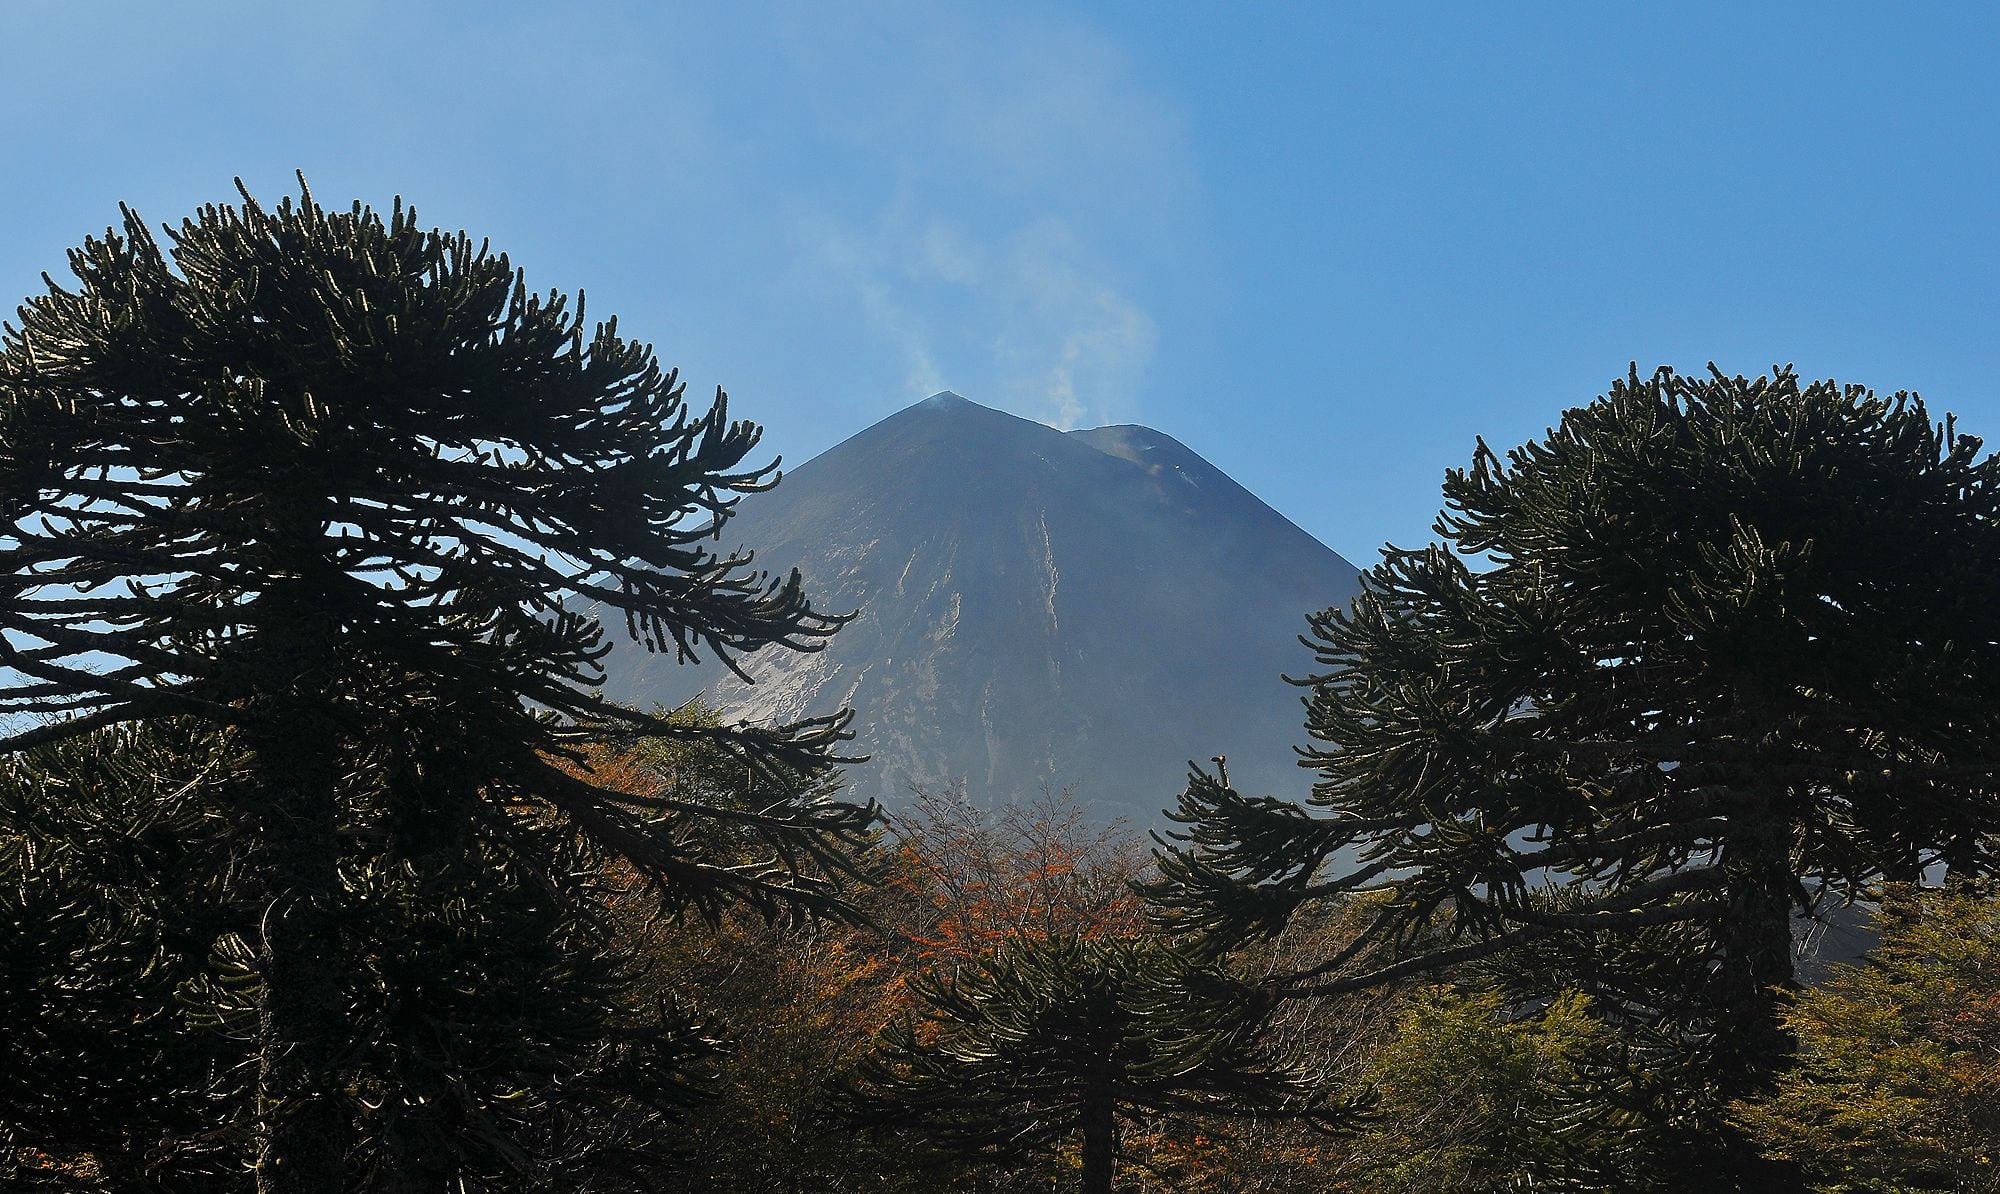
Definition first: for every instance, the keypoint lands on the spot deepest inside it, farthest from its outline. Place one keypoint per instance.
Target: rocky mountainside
(1088, 609)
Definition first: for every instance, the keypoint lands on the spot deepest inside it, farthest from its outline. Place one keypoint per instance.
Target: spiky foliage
(302, 432)
(310, 475)
(1054, 1040)
(1645, 1107)
(496, 1035)
(771, 839)
(118, 874)
(1707, 638)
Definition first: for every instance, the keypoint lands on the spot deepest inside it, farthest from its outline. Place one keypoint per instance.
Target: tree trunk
(1900, 878)
(294, 738)
(1961, 856)
(1757, 955)
(1757, 977)
(1100, 1137)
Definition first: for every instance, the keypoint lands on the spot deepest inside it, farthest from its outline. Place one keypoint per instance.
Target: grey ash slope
(1089, 609)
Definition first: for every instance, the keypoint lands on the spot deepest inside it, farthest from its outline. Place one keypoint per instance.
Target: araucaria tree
(342, 486)
(1713, 649)
(497, 1037)
(1061, 1040)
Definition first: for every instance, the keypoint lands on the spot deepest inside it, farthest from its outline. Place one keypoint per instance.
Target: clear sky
(1323, 245)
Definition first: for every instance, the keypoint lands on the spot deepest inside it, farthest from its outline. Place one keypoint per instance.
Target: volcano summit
(1089, 609)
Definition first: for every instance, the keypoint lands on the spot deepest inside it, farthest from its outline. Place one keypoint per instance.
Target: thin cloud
(1017, 160)
(1076, 343)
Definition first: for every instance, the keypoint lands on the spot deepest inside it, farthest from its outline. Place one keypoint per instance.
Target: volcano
(1036, 608)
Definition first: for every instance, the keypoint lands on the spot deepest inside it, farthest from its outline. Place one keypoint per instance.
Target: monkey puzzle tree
(115, 883)
(317, 476)
(1711, 643)
(1054, 1040)
(496, 1033)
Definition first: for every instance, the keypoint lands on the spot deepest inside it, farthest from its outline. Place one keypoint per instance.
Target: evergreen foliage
(1062, 1038)
(1897, 1086)
(1473, 1097)
(496, 1035)
(117, 876)
(338, 485)
(1710, 639)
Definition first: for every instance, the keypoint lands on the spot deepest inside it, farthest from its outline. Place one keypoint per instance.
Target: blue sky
(1323, 245)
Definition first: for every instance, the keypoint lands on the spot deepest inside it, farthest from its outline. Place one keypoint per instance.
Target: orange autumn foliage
(971, 881)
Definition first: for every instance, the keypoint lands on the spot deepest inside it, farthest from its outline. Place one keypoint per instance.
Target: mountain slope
(1089, 609)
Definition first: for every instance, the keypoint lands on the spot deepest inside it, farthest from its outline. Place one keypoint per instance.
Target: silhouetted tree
(315, 475)
(1709, 638)
(497, 1033)
(1057, 1039)
(117, 877)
